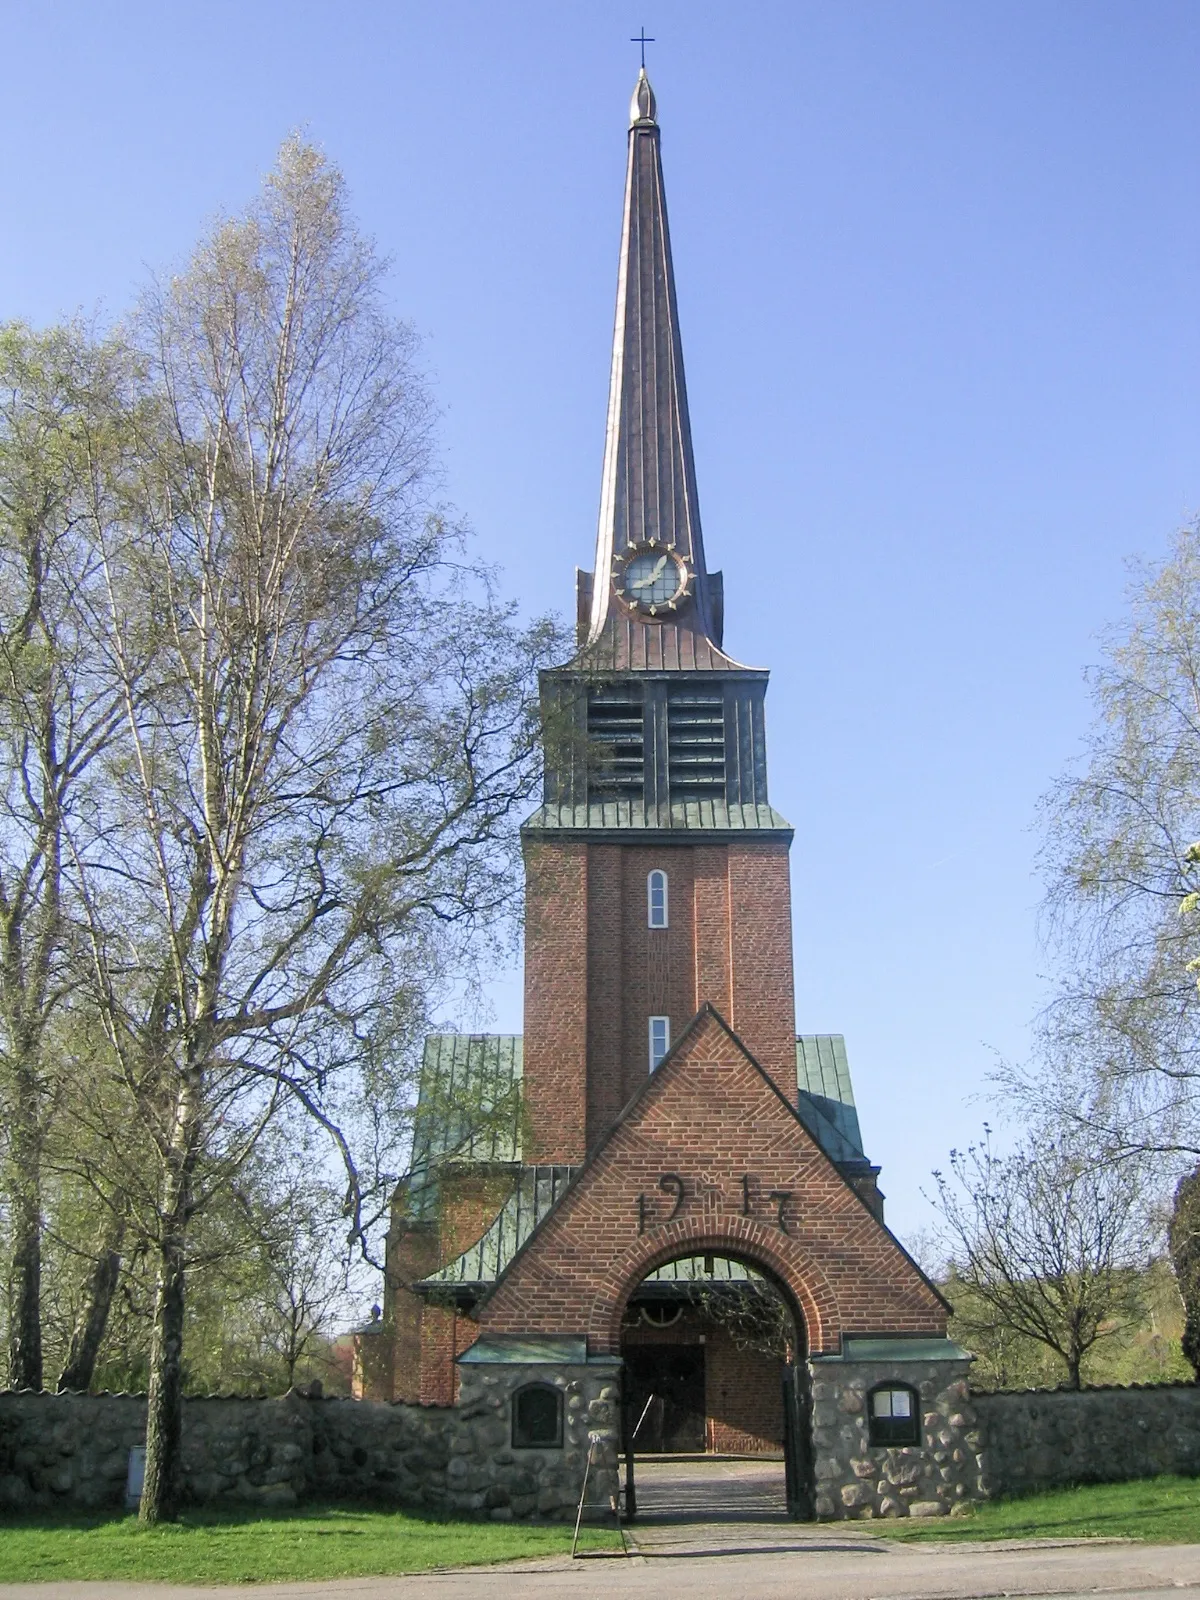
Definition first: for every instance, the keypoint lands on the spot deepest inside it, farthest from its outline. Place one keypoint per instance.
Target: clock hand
(644, 583)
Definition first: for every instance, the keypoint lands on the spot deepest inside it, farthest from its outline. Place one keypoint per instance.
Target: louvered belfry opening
(616, 726)
(696, 743)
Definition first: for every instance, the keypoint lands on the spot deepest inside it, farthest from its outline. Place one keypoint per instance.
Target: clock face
(653, 580)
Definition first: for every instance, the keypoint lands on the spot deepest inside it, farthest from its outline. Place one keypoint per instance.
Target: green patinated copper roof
(693, 816)
(536, 1192)
(468, 1108)
(826, 1097)
(524, 1350)
(897, 1350)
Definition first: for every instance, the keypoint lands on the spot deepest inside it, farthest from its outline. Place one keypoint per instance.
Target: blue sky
(938, 281)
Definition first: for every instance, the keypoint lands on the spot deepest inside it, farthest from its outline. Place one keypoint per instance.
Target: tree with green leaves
(329, 731)
(63, 453)
(1184, 1238)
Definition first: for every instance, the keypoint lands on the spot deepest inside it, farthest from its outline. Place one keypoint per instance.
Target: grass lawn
(243, 1547)
(1157, 1510)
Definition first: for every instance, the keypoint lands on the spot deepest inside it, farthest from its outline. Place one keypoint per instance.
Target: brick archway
(742, 1238)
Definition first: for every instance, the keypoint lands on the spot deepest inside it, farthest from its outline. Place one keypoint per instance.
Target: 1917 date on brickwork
(653, 1213)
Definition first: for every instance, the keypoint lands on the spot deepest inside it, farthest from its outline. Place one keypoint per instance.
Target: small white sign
(135, 1477)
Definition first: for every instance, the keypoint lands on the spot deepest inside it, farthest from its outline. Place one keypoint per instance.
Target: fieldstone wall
(1038, 1438)
(73, 1450)
(856, 1479)
(485, 1473)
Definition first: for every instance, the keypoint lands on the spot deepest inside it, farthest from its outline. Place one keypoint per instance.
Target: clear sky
(939, 288)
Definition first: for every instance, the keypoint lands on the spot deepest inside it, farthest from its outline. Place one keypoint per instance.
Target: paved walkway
(716, 1531)
(703, 1489)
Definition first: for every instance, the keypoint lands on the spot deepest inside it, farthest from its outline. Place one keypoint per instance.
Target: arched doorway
(715, 1348)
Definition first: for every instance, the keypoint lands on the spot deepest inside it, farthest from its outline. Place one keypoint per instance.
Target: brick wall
(595, 972)
(556, 999)
(412, 1253)
(423, 1340)
(710, 919)
(744, 1395)
(710, 1116)
(606, 1077)
(763, 1003)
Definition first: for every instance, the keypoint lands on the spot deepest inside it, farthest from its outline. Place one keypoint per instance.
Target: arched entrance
(714, 1349)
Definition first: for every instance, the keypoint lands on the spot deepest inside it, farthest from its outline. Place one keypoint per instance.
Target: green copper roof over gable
(538, 1190)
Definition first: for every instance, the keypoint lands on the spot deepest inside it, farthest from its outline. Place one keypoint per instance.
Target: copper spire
(648, 489)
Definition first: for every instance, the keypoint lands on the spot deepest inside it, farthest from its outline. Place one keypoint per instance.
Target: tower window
(656, 899)
(537, 1418)
(696, 744)
(616, 743)
(660, 1039)
(892, 1415)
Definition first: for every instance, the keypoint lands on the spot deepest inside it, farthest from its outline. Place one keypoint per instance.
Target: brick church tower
(657, 870)
(660, 1134)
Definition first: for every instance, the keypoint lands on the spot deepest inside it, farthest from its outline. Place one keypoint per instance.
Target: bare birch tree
(330, 727)
(1049, 1240)
(1122, 1039)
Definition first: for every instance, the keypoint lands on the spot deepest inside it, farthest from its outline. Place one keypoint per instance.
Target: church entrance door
(664, 1398)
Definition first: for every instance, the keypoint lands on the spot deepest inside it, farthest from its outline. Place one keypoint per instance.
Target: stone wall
(73, 1450)
(857, 1479)
(1039, 1438)
(484, 1472)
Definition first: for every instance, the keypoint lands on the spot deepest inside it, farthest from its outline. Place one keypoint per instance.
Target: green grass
(1156, 1510)
(233, 1547)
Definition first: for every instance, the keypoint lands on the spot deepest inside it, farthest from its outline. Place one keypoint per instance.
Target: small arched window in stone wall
(893, 1415)
(537, 1418)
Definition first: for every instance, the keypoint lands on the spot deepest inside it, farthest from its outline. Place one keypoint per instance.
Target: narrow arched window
(893, 1415)
(656, 899)
(660, 1039)
(537, 1418)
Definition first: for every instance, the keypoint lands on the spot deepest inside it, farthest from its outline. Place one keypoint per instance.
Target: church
(661, 1174)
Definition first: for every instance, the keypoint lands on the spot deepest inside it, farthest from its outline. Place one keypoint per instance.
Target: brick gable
(711, 1115)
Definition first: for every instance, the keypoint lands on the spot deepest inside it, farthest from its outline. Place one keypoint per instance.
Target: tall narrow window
(660, 1039)
(656, 899)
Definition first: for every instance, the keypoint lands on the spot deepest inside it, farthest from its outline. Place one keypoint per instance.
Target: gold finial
(642, 107)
